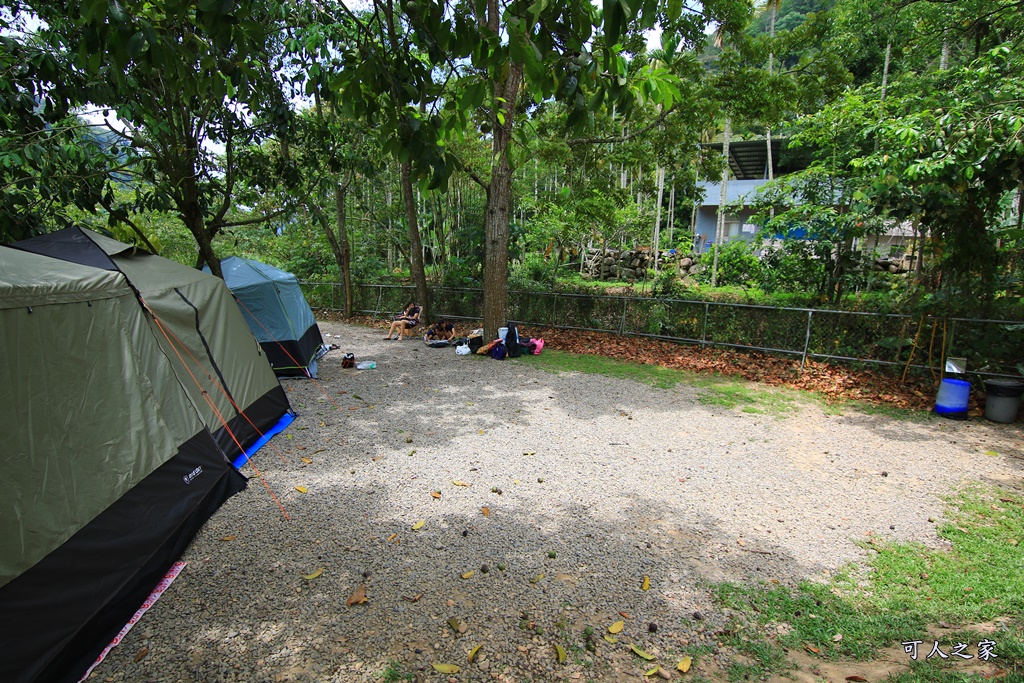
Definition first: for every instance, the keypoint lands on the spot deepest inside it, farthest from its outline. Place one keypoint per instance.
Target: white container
(502, 331)
(366, 365)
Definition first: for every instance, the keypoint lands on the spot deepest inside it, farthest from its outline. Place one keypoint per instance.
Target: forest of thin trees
(505, 142)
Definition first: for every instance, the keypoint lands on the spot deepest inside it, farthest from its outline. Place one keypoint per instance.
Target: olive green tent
(130, 384)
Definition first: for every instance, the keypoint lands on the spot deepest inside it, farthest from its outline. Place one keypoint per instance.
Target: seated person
(441, 330)
(406, 320)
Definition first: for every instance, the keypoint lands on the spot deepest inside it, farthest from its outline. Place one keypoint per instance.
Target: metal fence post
(704, 331)
(807, 340)
(622, 322)
(380, 295)
(554, 306)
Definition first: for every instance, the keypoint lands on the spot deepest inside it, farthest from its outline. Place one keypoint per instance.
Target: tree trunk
(656, 242)
(720, 225)
(768, 129)
(344, 251)
(192, 216)
(419, 274)
(885, 68)
(499, 202)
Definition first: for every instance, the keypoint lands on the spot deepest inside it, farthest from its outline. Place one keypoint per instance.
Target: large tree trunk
(419, 275)
(499, 204)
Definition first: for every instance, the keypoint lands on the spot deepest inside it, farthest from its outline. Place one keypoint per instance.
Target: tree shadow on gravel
(548, 561)
(243, 611)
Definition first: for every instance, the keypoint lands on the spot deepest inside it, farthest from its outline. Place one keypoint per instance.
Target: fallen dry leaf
(610, 639)
(140, 654)
(358, 596)
(461, 483)
(617, 627)
(314, 575)
(811, 648)
(685, 663)
(307, 461)
(435, 494)
(445, 668)
(640, 653)
(560, 653)
(646, 584)
(486, 510)
(419, 525)
(538, 578)
(414, 598)
(472, 654)
(856, 679)
(300, 489)
(651, 672)
(229, 538)
(392, 537)
(837, 637)
(468, 574)
(624, 615)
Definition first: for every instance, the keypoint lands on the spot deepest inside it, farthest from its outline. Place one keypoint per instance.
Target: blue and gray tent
(277, 313)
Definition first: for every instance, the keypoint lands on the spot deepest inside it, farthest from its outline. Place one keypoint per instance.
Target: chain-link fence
(992, 347)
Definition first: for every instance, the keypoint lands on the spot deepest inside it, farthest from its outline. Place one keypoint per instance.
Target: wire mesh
(992, 347)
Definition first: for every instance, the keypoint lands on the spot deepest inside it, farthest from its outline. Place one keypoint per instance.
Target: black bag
(476, 342)
(512, 341)
(348, 361)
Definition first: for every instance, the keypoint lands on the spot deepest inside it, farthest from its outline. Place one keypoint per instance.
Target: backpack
(475, 342)
(348, 361)
(538, 345)
(498, 351)
(512, 341)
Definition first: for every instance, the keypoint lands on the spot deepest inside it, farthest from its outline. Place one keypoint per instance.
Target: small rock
(697, 616)
(652, 627)
(884, 473)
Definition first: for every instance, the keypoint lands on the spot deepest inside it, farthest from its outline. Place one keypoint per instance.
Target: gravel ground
(589, 484)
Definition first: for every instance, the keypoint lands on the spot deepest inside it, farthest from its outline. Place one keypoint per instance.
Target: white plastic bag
(366, 365)
(462, 350)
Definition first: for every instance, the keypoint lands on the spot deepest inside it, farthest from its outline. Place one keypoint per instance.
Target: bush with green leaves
(793, 267)
(737, 265)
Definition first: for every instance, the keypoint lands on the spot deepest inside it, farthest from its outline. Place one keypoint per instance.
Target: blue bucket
(953, 397)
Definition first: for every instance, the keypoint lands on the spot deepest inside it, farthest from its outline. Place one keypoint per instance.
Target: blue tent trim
(281, 425)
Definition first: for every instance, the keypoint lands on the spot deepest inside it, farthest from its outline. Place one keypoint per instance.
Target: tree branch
(251, 221)
(624, 138)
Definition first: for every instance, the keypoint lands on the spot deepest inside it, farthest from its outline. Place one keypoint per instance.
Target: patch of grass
(396, 672)
(750, 398)
(654, 375)
(902, 589)
(764, 657)
(891, 412)
(715, 390)
(983, 576)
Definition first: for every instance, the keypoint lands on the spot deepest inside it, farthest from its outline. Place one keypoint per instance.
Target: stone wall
(632, 264)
